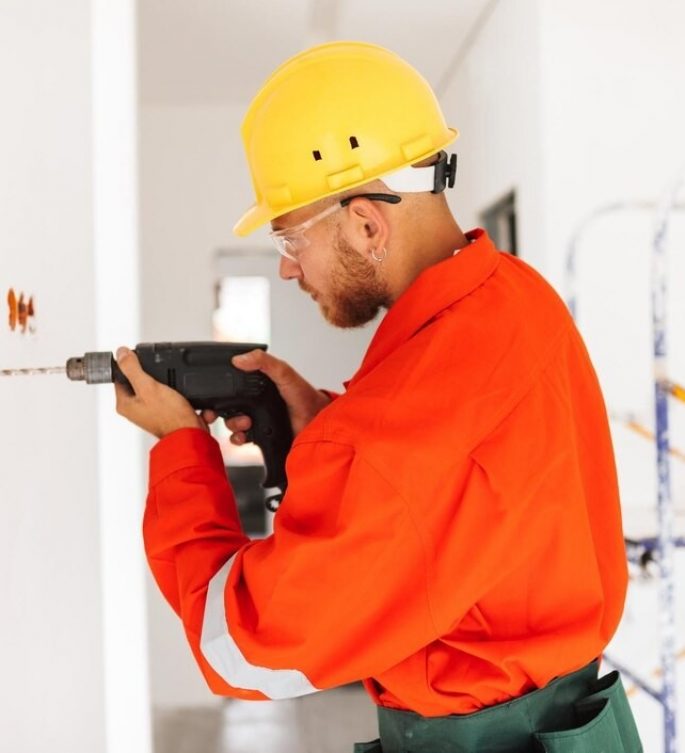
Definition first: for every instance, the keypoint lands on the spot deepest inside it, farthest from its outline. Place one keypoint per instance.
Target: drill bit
(33, 372)
(93, 368)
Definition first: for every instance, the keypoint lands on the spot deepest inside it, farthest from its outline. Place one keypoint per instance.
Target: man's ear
(369, 226)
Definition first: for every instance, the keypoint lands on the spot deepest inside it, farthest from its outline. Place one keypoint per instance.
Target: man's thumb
(130, 366)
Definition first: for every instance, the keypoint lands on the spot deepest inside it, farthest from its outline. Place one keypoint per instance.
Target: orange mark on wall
(12, 303)
(21, 312)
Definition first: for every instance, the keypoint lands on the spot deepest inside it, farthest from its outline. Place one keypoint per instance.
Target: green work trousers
(576, 713)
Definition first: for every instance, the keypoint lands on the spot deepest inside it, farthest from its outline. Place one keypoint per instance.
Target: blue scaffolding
(665, 542)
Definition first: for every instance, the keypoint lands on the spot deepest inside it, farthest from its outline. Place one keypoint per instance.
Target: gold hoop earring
(381, 257)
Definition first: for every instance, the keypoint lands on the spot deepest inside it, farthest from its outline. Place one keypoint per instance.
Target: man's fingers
(278, 371)
(250, 361)
(238, 423)
(130, 366)
(301, 398)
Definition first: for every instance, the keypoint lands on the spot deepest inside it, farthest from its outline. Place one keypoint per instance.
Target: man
(451, 532)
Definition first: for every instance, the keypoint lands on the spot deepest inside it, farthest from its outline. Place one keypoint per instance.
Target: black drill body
(203, 373)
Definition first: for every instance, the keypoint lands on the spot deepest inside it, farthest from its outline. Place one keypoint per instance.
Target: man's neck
(422, 252)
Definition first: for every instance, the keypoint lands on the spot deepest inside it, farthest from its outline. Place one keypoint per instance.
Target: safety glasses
(291, 241)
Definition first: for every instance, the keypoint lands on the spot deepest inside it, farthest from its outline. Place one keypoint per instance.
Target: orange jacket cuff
(183, 448)
(330, 394)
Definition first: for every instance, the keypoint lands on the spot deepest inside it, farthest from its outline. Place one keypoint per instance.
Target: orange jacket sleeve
(300, 608)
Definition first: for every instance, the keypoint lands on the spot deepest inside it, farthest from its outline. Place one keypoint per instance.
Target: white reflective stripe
(226, 658)
(411, 179)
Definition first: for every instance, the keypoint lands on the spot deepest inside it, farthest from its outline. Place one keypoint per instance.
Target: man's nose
(289, 269)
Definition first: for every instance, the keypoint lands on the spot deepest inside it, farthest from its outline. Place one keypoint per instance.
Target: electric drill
(203, 373)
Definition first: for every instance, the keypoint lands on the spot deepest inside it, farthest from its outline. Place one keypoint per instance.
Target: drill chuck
(92, 368)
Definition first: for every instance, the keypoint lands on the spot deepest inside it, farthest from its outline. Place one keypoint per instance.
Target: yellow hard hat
(334, 117)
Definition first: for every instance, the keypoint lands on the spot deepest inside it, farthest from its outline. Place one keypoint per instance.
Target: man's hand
(303, 400)
(155, 407)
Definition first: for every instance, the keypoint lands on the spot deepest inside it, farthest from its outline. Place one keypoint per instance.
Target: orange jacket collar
(434, 290)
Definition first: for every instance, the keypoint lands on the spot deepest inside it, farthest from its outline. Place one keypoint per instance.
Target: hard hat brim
(256, 216)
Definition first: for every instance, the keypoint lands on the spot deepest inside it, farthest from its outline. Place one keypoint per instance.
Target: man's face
(346, 285)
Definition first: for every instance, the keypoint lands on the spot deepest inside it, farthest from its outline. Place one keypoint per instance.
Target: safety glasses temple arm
(386, 197)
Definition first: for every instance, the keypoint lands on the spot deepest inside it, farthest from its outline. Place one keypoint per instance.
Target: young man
(451, 532)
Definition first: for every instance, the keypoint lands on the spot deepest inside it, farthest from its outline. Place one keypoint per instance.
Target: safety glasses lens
(285, 246)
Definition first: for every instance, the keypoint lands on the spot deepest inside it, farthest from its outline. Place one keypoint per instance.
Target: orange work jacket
(451, 531)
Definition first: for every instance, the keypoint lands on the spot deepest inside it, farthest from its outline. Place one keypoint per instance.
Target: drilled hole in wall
(353, 142)
(317, 154)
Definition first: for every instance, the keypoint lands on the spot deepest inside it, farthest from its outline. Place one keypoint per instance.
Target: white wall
(120, 464)
(613, 125)
(494, 98)
(72, 647)
(194, 182)
(51, 653)
(613, 115)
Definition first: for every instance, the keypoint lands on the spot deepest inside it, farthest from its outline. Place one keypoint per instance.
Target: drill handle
(271, 430)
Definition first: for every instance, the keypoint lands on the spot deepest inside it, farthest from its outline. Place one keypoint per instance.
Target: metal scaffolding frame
(666, 541)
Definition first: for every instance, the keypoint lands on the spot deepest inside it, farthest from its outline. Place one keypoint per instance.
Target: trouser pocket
(605, 723)
(373, 747)
(600, 733)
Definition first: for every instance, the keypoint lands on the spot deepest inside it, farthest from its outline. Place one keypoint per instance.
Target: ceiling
(218, 52)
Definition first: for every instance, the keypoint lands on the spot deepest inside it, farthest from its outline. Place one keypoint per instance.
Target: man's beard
(355, 293)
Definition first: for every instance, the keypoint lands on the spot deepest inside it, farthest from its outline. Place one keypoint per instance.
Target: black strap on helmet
(445, 172)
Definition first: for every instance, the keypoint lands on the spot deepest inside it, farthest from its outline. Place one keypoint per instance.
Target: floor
(327, 722)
